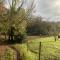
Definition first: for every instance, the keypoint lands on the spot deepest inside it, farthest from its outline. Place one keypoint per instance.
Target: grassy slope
(27, 55)
(50, 50)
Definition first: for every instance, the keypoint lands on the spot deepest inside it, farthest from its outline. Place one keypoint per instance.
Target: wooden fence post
(55, 38)
(40, 51)
(27, 45)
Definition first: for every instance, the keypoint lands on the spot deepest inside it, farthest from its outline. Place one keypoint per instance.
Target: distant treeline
(36, 26)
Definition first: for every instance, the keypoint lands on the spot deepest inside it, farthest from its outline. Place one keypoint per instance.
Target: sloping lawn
(50, 49)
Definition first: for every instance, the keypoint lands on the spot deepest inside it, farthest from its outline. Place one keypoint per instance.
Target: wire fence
(45, 50)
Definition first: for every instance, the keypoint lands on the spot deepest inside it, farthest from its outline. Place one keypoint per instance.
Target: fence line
(40, 51)
(40, 47)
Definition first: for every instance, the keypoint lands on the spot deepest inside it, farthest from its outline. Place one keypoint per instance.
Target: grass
(9, 54)
(27, 55)
(50, 49)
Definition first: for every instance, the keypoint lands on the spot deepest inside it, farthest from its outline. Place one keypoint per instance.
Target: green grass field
(50, 49)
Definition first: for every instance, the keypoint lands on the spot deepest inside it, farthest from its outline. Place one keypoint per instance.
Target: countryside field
(30, 49)
(29, 30)
(50, 49)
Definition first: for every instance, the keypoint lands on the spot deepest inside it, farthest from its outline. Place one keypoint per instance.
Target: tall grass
(50, 49)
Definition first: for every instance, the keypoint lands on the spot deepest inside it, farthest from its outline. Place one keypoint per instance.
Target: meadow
(35, 48)
(50, 49)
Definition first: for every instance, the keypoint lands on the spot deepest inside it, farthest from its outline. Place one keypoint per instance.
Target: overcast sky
(46, 8)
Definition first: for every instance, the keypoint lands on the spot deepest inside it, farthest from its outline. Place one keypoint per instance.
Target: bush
(19, 37)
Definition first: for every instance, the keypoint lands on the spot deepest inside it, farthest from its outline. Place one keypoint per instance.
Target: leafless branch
(30, 9)
(9, 3)
(20, 5)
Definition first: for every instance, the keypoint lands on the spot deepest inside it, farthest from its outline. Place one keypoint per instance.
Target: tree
(17, 16)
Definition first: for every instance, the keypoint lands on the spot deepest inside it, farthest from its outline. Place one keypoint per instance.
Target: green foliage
(9, 54)
(14, 18)
(37, 26)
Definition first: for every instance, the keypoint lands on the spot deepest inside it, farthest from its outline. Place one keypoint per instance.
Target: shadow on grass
(10, 42)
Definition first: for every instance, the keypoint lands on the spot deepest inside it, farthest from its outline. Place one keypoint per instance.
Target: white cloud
(48, 8)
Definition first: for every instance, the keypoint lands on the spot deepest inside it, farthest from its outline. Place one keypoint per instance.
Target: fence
(44, 50)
